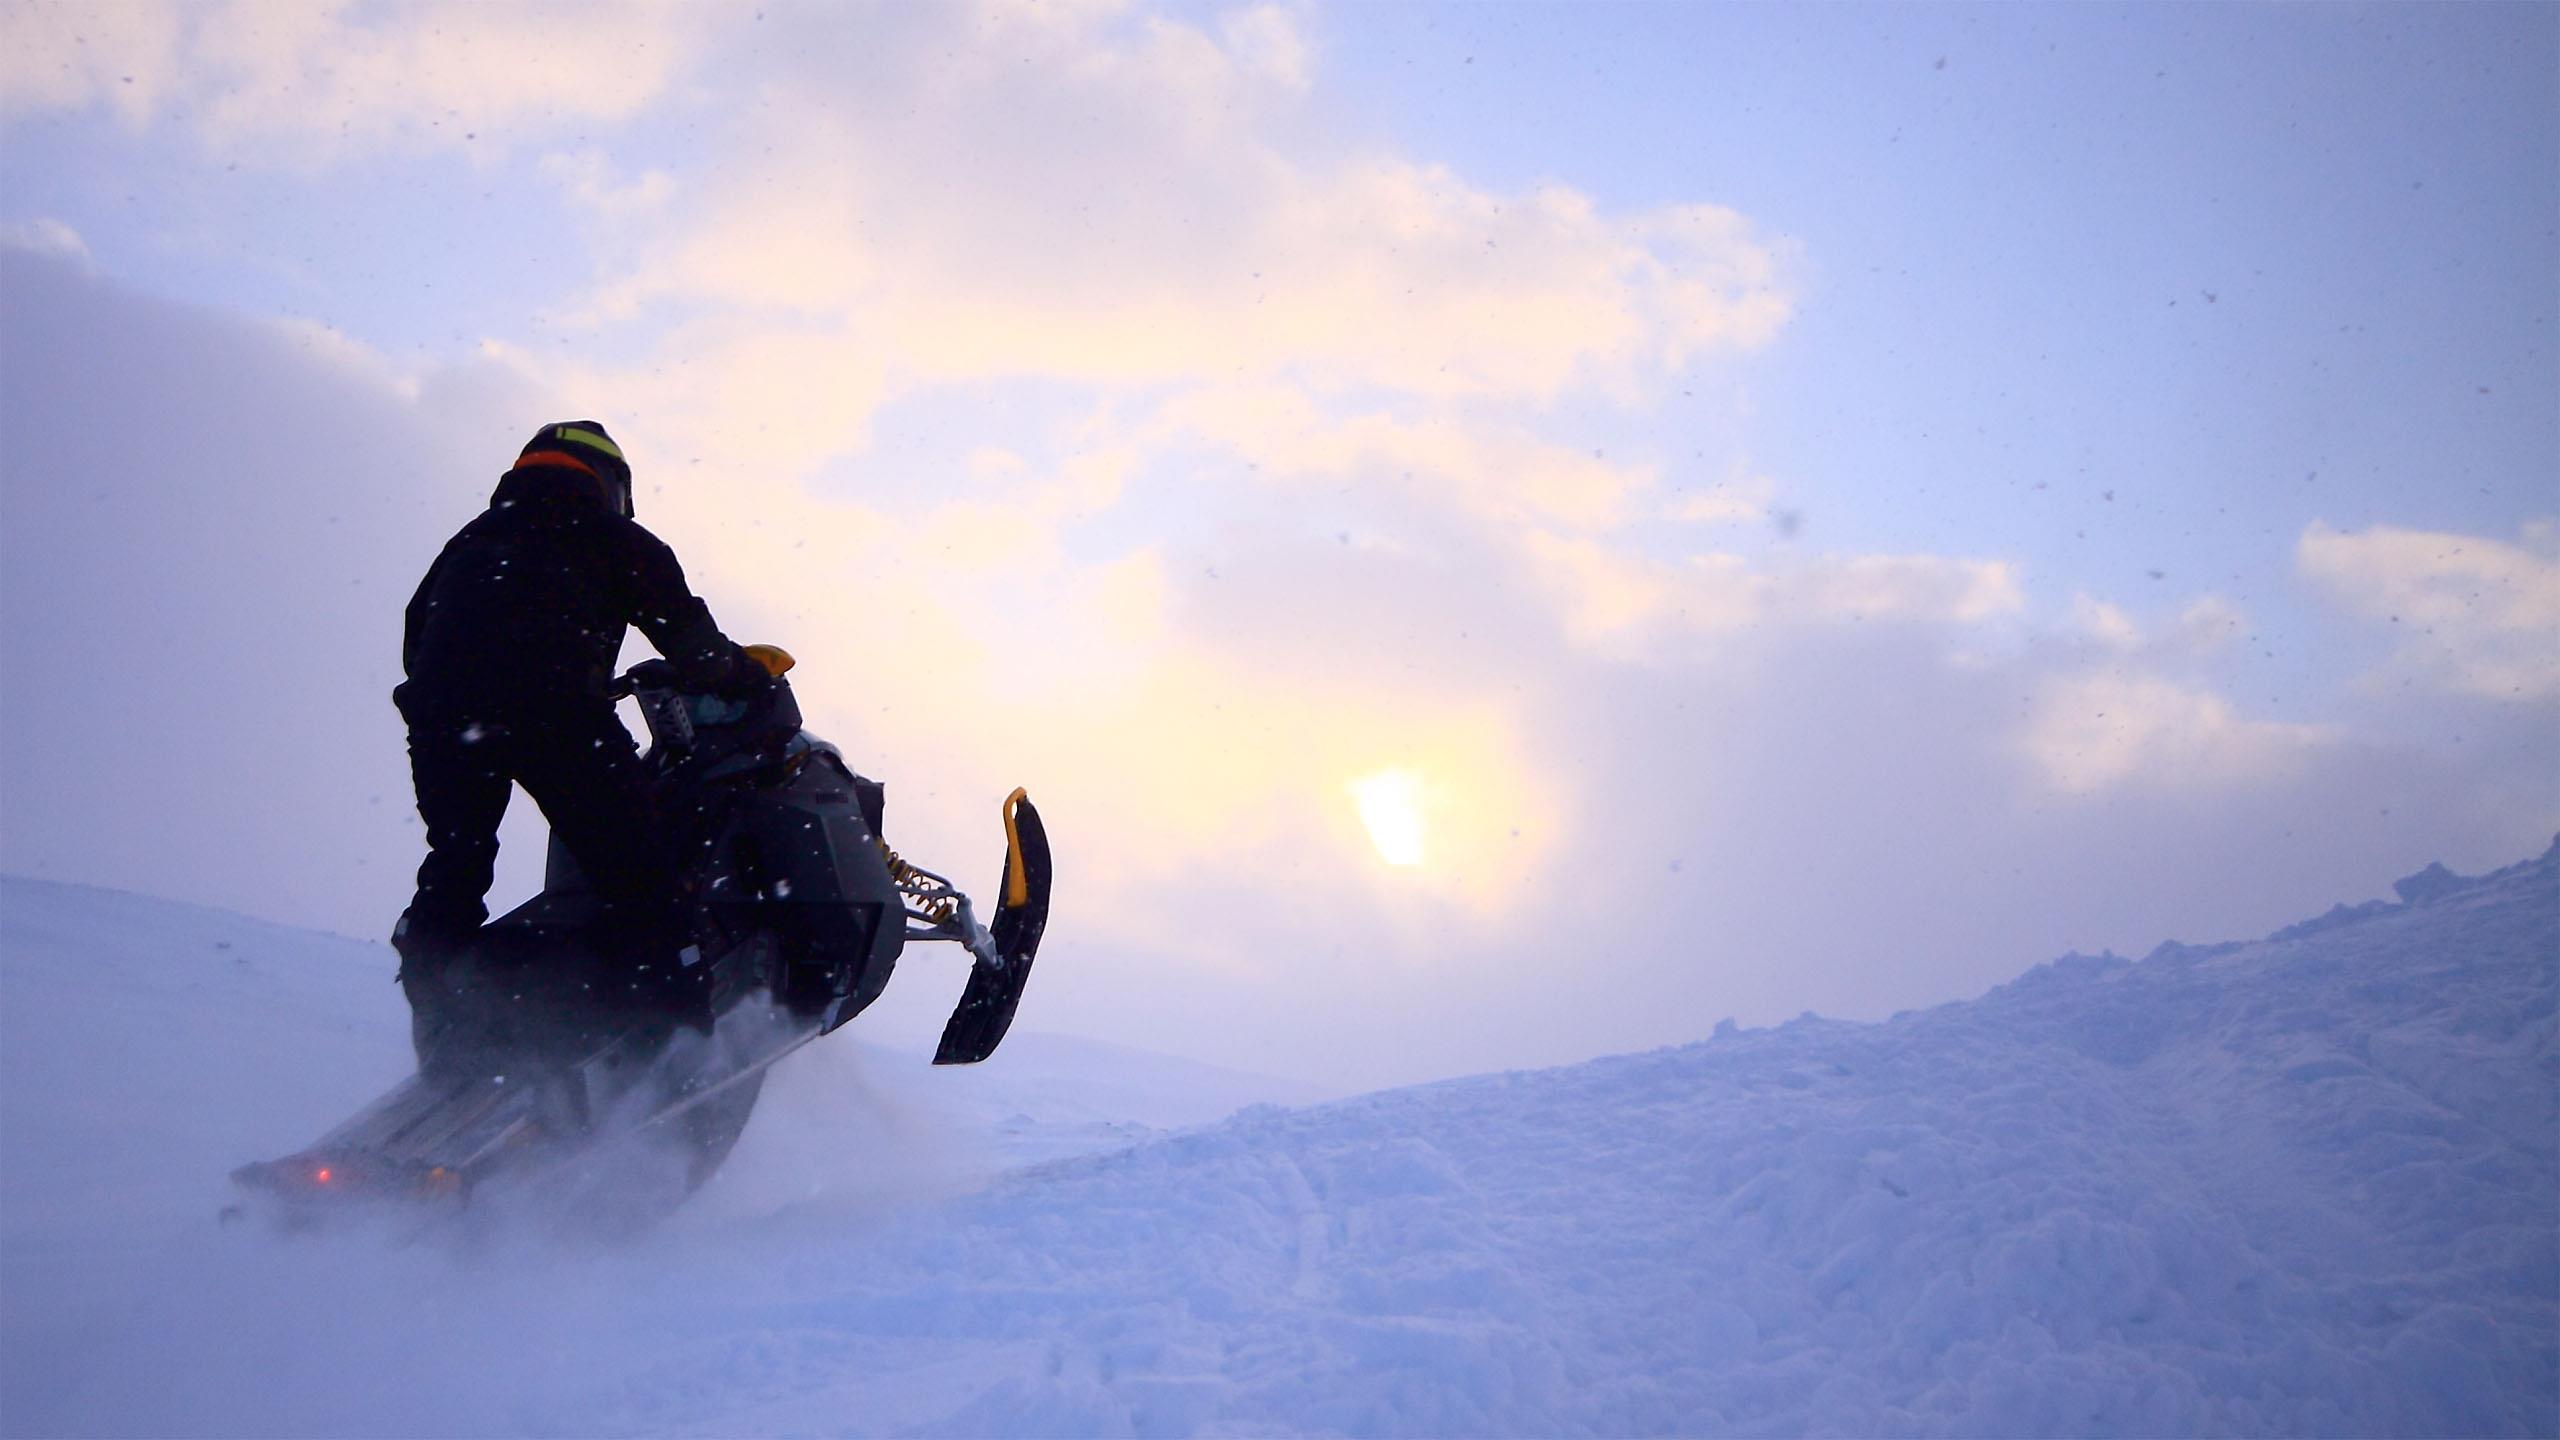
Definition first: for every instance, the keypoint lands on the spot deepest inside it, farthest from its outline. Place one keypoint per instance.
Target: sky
(1495, 534)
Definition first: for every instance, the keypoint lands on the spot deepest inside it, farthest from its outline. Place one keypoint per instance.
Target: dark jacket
(528, 604)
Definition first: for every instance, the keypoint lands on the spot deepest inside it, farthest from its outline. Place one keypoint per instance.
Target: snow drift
(2298, 1186)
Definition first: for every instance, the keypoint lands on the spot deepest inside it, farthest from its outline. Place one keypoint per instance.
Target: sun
(1390, 804)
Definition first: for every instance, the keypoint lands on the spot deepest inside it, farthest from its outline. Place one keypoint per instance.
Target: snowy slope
(2302, 1186)
(147, 1047)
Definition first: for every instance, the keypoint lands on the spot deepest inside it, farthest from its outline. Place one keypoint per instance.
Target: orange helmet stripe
(555, 457)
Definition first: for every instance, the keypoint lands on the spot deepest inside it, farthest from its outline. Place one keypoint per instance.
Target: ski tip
(1017, 877)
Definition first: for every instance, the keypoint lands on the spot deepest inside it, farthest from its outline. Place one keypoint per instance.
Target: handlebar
(661, 675)
(758, 712)
(647, 675)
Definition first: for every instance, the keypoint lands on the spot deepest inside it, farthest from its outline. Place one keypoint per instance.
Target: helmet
(585, 444)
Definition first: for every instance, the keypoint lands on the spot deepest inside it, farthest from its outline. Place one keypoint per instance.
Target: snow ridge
(2297, 1187)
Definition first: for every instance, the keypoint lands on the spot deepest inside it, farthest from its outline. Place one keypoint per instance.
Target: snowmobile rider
(510, 647)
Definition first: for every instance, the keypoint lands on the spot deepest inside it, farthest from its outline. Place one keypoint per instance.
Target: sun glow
(1390, 804)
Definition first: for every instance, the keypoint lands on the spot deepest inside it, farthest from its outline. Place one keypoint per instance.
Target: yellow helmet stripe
(590, 439)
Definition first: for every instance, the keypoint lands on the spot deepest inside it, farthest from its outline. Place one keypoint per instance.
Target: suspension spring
(933, 898)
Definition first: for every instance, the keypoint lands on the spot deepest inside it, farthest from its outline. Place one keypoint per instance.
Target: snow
(2299, 1186)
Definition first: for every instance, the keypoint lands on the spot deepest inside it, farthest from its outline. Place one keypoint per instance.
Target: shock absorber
(933, 898)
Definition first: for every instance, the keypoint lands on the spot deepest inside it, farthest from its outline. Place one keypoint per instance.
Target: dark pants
(578, 764)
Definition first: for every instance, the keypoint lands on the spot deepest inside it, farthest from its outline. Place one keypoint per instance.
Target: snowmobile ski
(996, 979)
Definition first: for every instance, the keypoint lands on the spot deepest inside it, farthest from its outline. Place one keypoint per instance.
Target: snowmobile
(547, 1038)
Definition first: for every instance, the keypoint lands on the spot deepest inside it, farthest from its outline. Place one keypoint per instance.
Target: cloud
(2472, 615)
(2142, 718)
(2100, 730)
(321, 82)
(1615, 604)
(1891, 587)
(590, 178)
(203, 635)
(2207, 624)
(1837, 818)
(1379, 273)
(1735, 501)
(1620, 601)
(1124, 200)
(345, 354)
(1266, 39)
(1497, 472)
(2104, 624)
(49, 237)
(1822, 808)
(68, 54)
